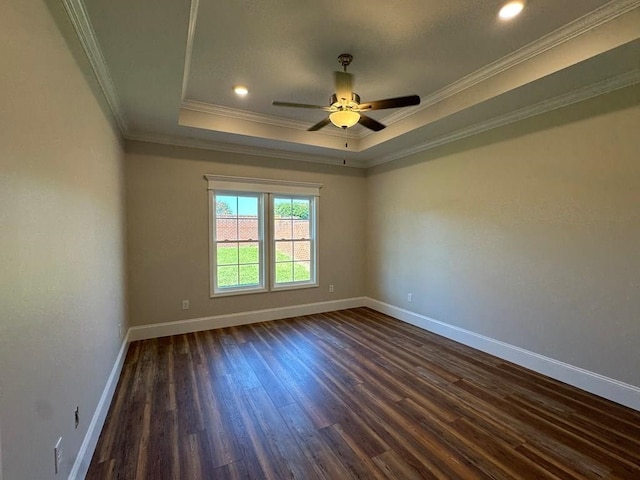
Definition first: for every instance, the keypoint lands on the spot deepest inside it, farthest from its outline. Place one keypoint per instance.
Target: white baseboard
(614, 390)
(233, 319)
(83, 460)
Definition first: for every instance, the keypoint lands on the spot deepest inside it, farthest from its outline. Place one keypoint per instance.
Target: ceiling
(168, 67)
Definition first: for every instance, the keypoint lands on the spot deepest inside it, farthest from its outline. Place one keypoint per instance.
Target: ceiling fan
(345, 107)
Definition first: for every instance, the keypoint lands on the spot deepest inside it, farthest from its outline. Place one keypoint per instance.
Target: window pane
(226, 205)
(248, 228)
(302, 250)
(302, 271)
(282, 229)
(227, 254)
(248, 206)
(228, 276)
(249, 253)
(249, 274)
(282, 207)
(301, 229)
(226, 228)
(284, 251)
(284, 272)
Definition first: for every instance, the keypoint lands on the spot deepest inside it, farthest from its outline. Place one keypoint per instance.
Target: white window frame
(313, 240)
(213, 243)
(266, 189)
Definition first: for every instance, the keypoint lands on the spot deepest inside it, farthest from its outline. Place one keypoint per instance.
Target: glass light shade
(344, 118)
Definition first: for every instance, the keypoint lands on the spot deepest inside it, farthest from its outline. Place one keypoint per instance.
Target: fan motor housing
(355, 100)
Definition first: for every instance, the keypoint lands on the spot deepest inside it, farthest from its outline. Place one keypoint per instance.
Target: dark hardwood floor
(351, 394)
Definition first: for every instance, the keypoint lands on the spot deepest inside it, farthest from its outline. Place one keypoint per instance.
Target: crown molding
(245, 115)
(193, 18)
(79, 18)
(237, 114)
(576, 96)
(240, 149)
(580, 26)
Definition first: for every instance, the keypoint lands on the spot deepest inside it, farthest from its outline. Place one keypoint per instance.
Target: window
(238, 233)
(263, 235)
(293, 240)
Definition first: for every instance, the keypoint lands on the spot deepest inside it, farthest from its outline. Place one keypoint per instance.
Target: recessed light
(511, 9)
(240, 90)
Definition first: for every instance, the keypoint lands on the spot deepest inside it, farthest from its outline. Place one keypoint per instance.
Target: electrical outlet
(410, 297)
(330, 288)
(76, 415)
(57, 455)
(185, 304)
(120, 330)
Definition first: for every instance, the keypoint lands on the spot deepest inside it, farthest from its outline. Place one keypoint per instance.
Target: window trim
(266, 188)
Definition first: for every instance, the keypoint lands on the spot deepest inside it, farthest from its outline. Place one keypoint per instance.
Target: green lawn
(247, 273)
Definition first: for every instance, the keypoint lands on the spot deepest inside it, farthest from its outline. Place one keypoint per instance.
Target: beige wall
(61, 243)
(167, 224)
(529, 234)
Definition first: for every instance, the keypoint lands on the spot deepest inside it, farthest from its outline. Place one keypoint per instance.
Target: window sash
(217, 269)
(279, 266)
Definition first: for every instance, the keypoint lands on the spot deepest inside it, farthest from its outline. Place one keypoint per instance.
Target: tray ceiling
(168, 68)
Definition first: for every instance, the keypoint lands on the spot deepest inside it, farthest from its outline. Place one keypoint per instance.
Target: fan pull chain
(346, 145)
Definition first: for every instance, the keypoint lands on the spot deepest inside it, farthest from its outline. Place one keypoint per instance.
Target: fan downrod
(345, 60)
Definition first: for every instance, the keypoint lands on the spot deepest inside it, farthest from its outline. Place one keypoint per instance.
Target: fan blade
(300, 105)
(391, 103)
(319, 125)
(344, 85)
(370, 123)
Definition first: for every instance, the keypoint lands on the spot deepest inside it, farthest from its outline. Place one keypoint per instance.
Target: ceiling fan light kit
(344, 118)
(345, 107)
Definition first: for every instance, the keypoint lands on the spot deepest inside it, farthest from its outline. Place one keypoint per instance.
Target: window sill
(233, 293)
(285, 287)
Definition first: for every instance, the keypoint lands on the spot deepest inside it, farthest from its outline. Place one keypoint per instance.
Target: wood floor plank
(300, 389)
(352, 394)
(312, 444)
(348, 448)
(191, 457)
(395, 467)
(434, 454)
(268, 379)
(220, 433)
(256, 452)
(288, 456)
(244, 426)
